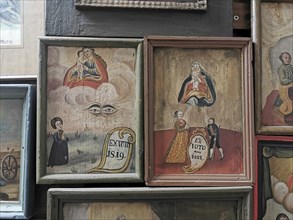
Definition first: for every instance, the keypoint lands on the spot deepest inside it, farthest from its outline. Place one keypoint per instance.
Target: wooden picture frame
(274, 113)
(17, 111)
(275, 165)
(94, 87)
(147, 4)
(149, 203)
(179, 115)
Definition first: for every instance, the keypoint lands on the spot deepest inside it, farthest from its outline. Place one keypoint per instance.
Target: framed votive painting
(149, 203)
(272, 32)
(198, 111)
(275, 179)
(89, 110)
(17, 103)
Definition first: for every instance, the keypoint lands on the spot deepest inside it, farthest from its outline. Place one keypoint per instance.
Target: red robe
(94, 81)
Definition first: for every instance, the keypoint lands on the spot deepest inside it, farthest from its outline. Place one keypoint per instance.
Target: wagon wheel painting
(9, 167)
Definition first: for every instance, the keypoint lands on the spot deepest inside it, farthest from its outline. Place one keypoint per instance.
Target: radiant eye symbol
(98, 109)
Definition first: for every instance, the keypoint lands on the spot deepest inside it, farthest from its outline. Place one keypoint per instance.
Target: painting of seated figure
(274, 68)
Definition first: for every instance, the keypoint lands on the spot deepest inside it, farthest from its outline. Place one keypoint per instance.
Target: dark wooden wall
(63, 19)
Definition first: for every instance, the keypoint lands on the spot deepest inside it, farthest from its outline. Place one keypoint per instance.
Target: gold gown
(178, 148)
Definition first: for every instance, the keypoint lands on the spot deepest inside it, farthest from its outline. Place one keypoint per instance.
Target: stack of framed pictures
(188, 115)
(196, 127)
(272, 34)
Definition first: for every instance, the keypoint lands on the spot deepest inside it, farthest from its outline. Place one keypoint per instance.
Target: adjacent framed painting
(11, 24)
(20, 25)
(146, 4)
(150, 203)
(89, 120)
(198, 111)
(275, 179)
(17, 110)
(272, 34)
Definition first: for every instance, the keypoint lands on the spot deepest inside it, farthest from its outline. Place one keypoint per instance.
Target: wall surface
(64, 19)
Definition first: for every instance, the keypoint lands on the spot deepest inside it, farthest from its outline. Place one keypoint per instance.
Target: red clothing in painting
(198, 88)
(91, 73)
(197, 91)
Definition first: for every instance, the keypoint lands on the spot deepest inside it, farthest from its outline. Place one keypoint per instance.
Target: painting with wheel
(10, 145)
